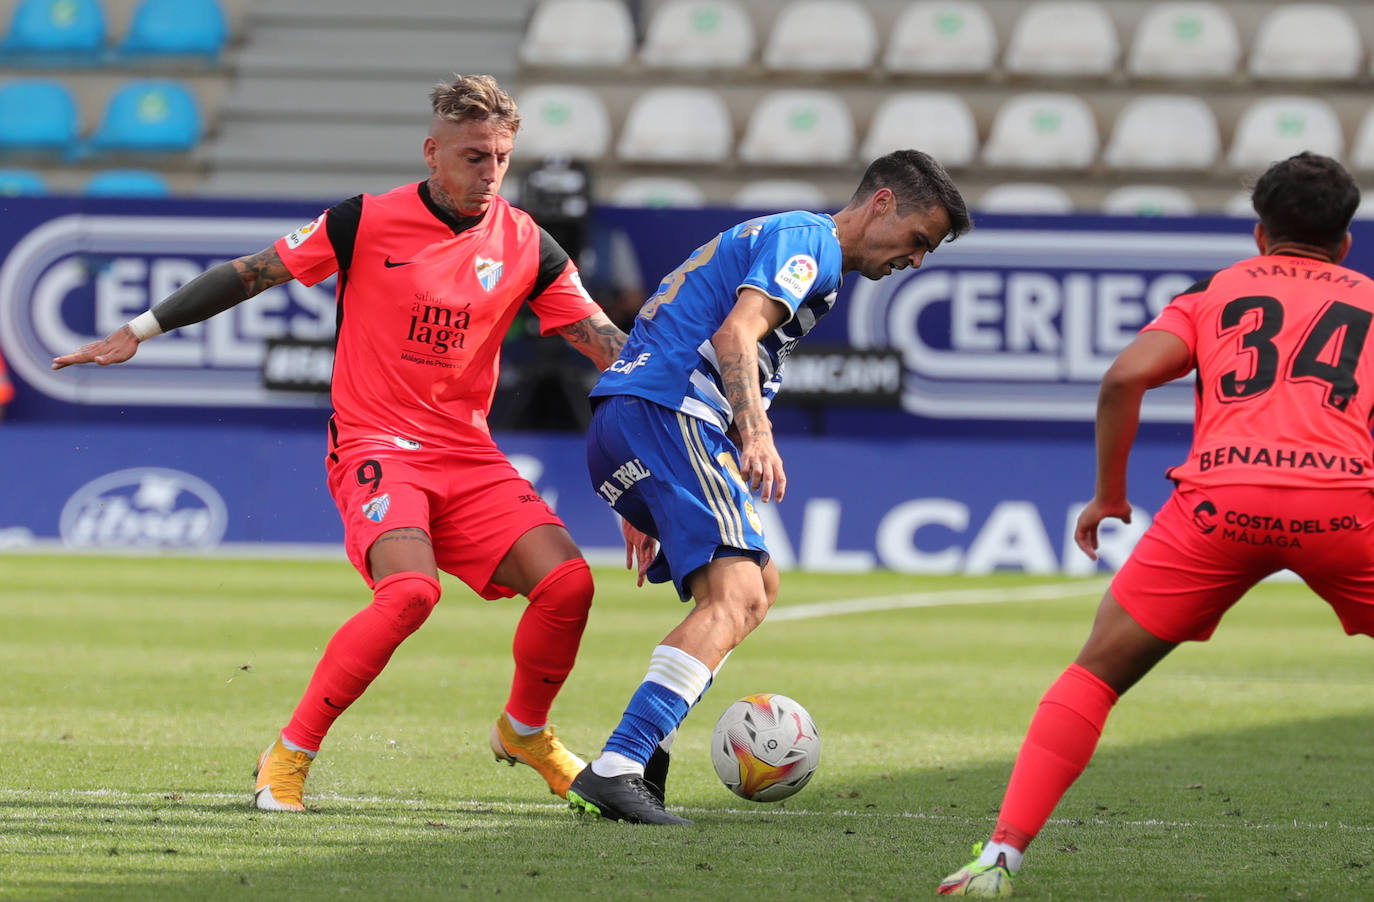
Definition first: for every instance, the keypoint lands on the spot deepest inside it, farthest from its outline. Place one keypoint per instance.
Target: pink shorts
(473, 506)
(1209, 545)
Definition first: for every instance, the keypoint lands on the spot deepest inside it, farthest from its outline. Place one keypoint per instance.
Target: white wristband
(145, 325)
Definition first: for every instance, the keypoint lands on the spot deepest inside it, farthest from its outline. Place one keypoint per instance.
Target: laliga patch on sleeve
(796, 275)
(296, 238)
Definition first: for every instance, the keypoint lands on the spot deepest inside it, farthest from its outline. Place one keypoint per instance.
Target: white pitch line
(1047, 592)
(474, 806)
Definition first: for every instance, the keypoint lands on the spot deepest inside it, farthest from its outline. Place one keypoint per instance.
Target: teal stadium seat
(38, 115)
(56, 32)
(148, 116)
(192, 28)
(127, 183)
(19, 182)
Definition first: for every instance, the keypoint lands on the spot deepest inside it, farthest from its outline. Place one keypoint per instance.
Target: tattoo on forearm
(262, 271)
(596, 337)
(739, 376)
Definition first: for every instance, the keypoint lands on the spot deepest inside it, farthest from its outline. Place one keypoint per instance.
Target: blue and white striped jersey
(792, 257)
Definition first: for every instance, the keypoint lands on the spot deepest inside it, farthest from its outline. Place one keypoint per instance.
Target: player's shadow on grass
(1279, 812)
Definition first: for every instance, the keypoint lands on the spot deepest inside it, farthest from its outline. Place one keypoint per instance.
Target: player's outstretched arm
(213, 291)
(754, 315)
(596, 338)
(1153, 358)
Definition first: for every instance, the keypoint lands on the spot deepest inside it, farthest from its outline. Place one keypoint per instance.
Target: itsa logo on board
(144, 507)
(1016, 325)
(77, 278)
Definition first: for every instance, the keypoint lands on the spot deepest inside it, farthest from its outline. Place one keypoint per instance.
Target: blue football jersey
(669, 359)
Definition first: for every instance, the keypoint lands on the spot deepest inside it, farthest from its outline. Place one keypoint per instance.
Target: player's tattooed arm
(736, 343)
(596, 337)
(213, 291)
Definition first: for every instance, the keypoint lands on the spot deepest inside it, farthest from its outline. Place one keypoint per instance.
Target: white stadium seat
(677, 125)
(1073, 37)
(698, 34)
(1025, 197)
(563, 119)
(1148, 200)
(821, 35)
(798, 126)
(658, 191)
(1184, 40)
(1163, 131)
(948, 36)
(1362, 150)
(1306, 41)
(1042, 131)
(578, 33)
(780, 194)
(937, 122)
(1275, 128)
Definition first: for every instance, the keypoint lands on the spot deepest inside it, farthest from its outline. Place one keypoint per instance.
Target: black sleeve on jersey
(552, 260)
(341, 225)
(1200, 285)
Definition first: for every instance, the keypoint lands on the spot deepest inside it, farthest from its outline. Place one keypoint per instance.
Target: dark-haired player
(431, 275)
(680, 438)
(1285, 368)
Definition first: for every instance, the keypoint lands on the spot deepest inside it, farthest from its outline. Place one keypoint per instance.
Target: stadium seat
(938, 122)
(941, 37)
(798, 126)
(1042, 131)
(1362, 150)
(1148, 200)
(578, 33)
(566, 120)
(1306, 41)
(1025, 197)
(658, 191)
(776, 195)
(193, 28)
(1162, 131)
(821, 35)
(19, 182)
(38, 115)
(698, 34)
(1274, 128)
(1073, 37)
(62, 32)
(1184, 40)
(127, 183)
(148, 116)
(677, 125)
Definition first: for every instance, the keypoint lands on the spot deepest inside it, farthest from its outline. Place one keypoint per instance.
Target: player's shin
(358, 651)
(675, 680)
(547, 639)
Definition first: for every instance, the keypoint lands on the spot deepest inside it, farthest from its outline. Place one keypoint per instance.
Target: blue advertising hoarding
(1002, 337)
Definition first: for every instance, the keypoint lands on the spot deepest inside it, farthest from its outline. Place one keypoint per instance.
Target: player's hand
(117, 347)
(1085, 532)
(639, 548)
(761, 466)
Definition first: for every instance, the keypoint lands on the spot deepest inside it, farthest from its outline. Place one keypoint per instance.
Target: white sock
(523, 729)
(613, 764)
(675, 669)
(296, 748)
(992, 849)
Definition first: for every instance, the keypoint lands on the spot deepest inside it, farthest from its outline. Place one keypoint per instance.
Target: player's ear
(431, 152)
(1344, 249)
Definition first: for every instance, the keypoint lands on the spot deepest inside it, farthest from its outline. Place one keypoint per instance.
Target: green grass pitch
(137, 692)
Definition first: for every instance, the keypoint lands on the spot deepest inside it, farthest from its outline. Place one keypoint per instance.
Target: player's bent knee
(407, 598)
(566, 590)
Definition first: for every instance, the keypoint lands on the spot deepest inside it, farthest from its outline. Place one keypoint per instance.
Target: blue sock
(653, 712)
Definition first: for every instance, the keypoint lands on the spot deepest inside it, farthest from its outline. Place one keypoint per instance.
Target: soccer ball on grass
(765, 747)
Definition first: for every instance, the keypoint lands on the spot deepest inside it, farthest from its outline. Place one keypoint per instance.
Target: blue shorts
(676, 478)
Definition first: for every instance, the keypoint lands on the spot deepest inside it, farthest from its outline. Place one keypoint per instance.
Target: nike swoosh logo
(389, 263)
(334, 706)
(546, 679)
